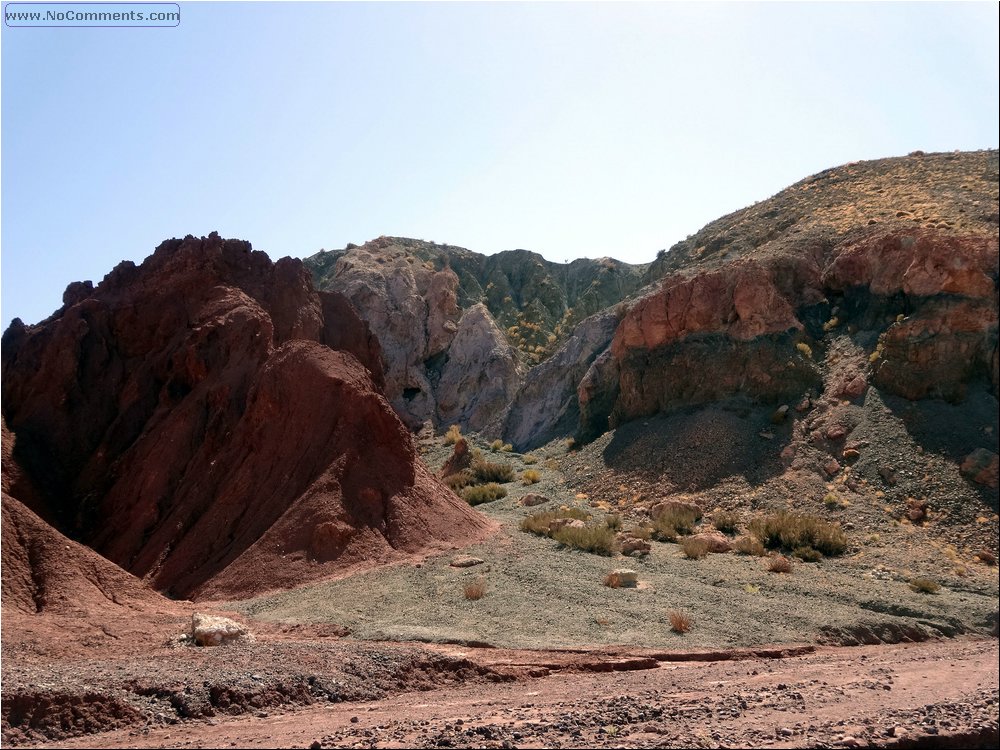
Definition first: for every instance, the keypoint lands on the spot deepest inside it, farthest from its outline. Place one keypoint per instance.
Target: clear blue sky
(572, 130)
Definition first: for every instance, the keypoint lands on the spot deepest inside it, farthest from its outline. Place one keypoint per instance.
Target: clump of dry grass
(694, 549)
(483, 493)
(539, 523)
(749, 545)
(529, 459)
(644, 532)
(807, 554)
(925, 585)
(475, 589)
(726, 521)
(679, 622)
(673, 523)
(460, 480)
(789, 530)
(779, 564)
(613, 521)
(490, 471)
(530, 476)
(453, 435)
(599, 540)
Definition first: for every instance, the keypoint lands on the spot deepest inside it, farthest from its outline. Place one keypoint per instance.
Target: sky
(574, 130)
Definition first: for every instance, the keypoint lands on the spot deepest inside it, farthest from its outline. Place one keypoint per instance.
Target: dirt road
(937, 694)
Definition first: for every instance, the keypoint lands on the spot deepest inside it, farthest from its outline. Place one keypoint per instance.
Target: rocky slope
(440, 310)
(895, 258)
(210, 423)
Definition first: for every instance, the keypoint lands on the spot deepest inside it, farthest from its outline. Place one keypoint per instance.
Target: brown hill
(210, 423)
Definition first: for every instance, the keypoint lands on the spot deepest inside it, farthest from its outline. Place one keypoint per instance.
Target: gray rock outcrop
(481, 375)
(547, 406)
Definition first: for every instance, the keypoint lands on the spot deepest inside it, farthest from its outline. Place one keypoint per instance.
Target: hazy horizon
(568, 129)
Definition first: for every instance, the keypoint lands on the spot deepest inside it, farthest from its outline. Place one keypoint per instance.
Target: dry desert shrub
(489, 471)
(673, 523)
(453, 435)
(807, 554)
(644, 532)
(483, 493)
(679, 622)
(779, 564)
(460, 480)
(749, 545)
(529, 459)
(530, 476)
(596, 538)
(925, 585)
(613, 521)
(599, 540)
(475, 589)
(538, 523)
(726, 521)
(789, 530)
(694, 549)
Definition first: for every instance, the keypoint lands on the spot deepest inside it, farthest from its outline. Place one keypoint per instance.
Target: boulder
(981, 466)
(714, 541)
(631, 546)
(532, 499)
(673, 506)
(622, 578)
(209, 630)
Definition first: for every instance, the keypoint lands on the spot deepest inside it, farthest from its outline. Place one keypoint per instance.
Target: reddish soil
(939, 694)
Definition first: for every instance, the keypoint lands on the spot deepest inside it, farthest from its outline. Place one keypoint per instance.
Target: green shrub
(483, 493)
(489, 471)
(530, 476)
(460, 480)
(807, 554)
(925, 585)
(597, 539)
(694, 549)
(726, 521)
(788, 530)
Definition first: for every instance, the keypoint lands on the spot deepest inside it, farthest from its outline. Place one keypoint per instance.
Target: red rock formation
(192, 424)
(750, 326)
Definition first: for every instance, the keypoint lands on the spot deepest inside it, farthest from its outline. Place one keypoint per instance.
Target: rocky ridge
(210, 423)
(415, 295)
